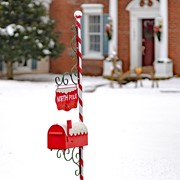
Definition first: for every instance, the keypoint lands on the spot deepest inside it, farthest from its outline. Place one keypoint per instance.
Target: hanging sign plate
(66, 98)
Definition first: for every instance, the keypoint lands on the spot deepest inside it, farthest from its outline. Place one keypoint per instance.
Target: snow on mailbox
(66, 98)
(67, 136)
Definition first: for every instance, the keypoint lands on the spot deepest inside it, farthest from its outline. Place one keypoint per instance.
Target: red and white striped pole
(78, 15)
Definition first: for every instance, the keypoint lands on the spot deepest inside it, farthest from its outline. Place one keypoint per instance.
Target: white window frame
(91, 10)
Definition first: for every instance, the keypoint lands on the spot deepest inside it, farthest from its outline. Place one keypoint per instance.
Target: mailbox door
(56, 137)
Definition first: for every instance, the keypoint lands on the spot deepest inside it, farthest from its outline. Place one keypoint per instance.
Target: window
(92, 31)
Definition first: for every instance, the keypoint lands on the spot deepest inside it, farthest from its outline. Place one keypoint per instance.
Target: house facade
(133, 38)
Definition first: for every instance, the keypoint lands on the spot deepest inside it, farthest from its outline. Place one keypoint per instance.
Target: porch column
(164, 41)
(164, 64)
(113, 13)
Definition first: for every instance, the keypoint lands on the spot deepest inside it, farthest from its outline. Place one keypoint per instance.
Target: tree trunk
(10, 70)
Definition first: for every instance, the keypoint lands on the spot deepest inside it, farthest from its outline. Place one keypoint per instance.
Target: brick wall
(63, 12)
(123, 34)
(174, 34)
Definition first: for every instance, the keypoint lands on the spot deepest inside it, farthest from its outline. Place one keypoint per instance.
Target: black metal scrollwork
(70, 77)
(71, 155)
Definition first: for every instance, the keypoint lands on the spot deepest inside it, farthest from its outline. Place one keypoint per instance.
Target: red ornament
(66, 98)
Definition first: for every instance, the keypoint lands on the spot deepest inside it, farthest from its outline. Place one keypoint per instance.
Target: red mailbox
(66, 98)
(67, 136)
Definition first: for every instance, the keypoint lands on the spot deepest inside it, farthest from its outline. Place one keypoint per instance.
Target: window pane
(94, 33)
(95, 43)
(94, 23)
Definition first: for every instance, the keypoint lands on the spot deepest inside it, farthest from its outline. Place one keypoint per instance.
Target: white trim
(113, 13)
(163, 65)
(92, 9)
(164, 39)
(93, 56)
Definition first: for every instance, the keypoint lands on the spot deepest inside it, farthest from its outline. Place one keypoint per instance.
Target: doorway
(138, 15)
(148, 52)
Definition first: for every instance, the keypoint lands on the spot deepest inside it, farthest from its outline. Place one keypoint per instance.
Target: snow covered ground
(134, 133)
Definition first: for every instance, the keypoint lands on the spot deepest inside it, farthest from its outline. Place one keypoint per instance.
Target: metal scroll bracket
(72, 154)
(72, 76)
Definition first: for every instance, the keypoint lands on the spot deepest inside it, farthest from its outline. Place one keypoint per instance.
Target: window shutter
(105, 39)
(34, 64)
(82, 35)
(1, 66)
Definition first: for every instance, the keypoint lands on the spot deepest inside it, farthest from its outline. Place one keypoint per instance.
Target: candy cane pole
(78, 15)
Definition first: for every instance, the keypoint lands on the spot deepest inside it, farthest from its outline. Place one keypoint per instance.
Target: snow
(4, 3)
(133, 133)
(65, 89)
(10, 29)
(78, 128)
(46, 51)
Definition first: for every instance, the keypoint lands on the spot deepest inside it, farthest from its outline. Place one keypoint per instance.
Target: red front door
(147, 42)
